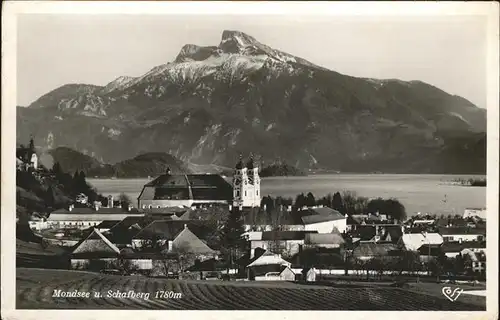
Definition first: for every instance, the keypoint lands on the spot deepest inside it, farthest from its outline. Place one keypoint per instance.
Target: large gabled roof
(190, 186)
(269, 258)
(188, 241)
(169, 229)
(372, 249)
(95, 242)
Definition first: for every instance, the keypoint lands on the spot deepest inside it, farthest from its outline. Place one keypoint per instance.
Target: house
(84, 217)
(319, 257)
(444, 222)
(26, 158)
(474, 212)
(285, 274)
(453, 249)
(265, 266)
(378, 232)
(323, 220)
(310, 274)
(171, 190)
(106, 225)
(413, 241)
(121, 234)
(268, 227)
(475, 262)
(463, 234)
(207, 269)
(428, 252)
(367, 219)
(323, 240)
(38, 223)
(175, 236)
(365, 251)
(424, 221)
(280, 242)
(94, 251)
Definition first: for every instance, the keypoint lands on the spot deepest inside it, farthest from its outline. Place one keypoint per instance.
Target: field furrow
(35, 288)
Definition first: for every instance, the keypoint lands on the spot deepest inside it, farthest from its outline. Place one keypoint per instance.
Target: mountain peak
(233, 41)
(194, 52)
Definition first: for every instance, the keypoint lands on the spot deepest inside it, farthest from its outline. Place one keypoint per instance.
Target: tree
(310, 200)
(350, 200)
(185, 257)
(49, 197)
(396, 209)
(56, 169)
(338, 203)
(125, 200)
(300, 201)
(232, 240)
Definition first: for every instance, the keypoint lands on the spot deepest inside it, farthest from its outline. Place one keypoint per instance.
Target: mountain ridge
(212, 103)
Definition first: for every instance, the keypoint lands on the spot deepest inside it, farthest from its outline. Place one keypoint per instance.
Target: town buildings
(85, 217)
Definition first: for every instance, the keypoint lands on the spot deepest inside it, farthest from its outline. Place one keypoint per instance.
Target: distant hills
(280, 169)
(149, 164)
(213, 103)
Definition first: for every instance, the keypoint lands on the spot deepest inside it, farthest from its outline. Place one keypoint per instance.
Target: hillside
(213, 103)
(148, 164)
(280, 169)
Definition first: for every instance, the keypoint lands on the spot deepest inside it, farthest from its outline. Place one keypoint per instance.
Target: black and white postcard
(162, 157)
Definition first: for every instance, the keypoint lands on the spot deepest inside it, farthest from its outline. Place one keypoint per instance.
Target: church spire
(250, 163)
(239, 165)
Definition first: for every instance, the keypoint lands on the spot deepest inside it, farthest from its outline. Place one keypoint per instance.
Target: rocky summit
(212, 103)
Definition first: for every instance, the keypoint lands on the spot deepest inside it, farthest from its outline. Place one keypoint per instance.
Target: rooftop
(191, 186)
(365, 249)
(284, 235)
(462, 231)
(324, 238)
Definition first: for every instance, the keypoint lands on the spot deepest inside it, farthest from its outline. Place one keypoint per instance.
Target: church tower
(246, 185)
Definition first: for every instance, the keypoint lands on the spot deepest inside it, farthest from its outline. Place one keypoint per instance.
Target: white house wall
(327, 226)
(461, 237)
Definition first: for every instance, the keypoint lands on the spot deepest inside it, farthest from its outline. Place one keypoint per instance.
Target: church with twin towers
(246, 184)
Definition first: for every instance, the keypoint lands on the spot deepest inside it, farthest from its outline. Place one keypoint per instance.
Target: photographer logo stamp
(452, 295)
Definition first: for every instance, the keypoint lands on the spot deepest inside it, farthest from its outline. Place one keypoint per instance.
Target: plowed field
(35, 288)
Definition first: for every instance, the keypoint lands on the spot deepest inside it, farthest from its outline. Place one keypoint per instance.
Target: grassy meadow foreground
(35, 288)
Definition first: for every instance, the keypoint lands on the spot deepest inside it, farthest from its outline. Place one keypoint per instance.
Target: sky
(448, 52)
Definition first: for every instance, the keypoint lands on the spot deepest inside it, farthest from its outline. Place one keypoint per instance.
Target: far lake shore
(418, 193)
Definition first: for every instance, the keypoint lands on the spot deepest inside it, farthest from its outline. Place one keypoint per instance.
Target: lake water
(418, 193)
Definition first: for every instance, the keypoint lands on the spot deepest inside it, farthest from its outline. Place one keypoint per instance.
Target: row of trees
(276, 208)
